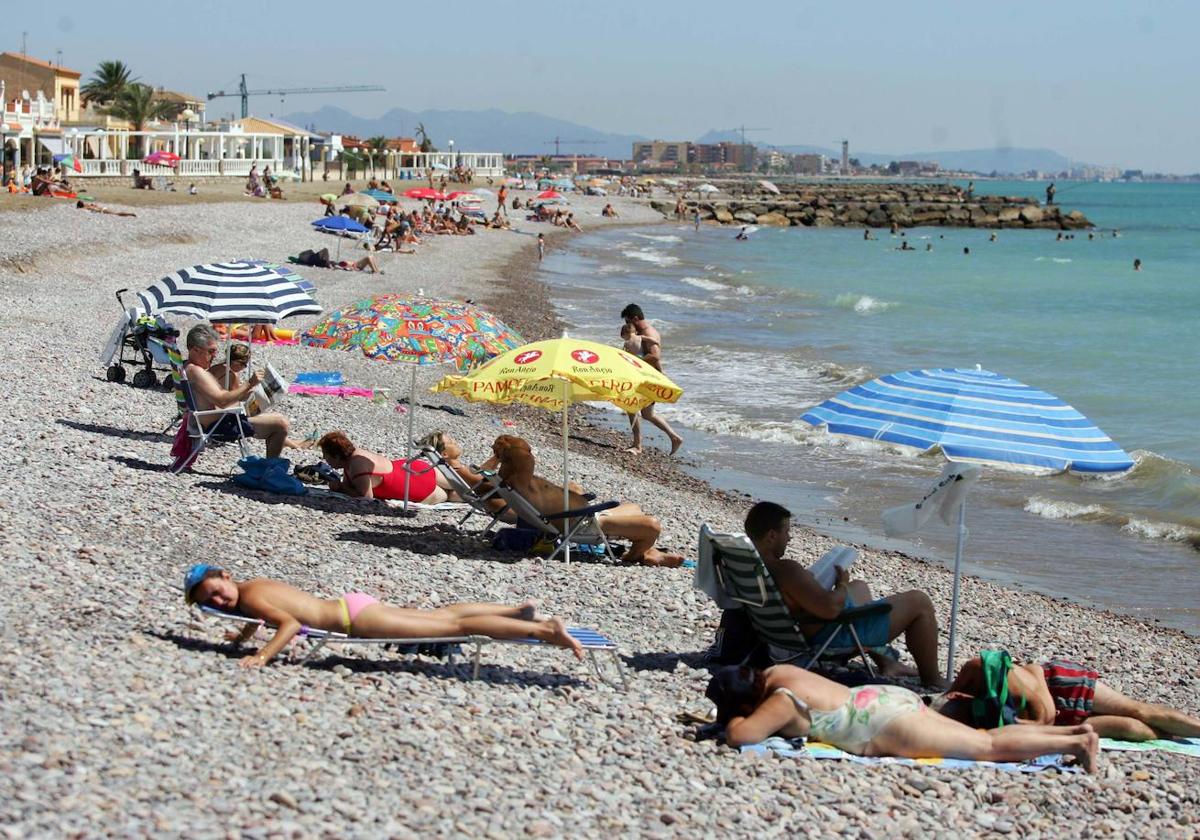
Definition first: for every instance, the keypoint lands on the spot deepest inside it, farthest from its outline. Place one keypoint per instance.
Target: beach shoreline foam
(120, 706)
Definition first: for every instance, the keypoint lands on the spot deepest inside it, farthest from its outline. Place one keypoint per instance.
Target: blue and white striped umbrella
(972, 415)
(232, 292)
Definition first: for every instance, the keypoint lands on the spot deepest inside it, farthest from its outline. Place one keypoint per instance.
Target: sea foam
(862, 304)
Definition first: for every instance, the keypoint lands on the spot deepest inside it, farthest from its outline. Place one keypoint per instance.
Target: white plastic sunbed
(592, 641)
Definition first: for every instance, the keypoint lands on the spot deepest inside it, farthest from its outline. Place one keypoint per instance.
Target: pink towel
(342, 391)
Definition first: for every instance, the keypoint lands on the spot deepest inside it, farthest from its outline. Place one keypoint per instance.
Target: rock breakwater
(878, 206)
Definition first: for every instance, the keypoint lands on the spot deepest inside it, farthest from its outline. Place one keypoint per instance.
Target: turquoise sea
(757, 331)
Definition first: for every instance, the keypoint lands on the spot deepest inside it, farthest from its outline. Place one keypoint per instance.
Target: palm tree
(106, 84)
(426, 143)
(137, 105)
(377, 146)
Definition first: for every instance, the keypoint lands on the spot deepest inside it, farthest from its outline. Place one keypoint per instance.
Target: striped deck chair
(192, 418)
(585, 530)
(593, 642)
(745, 579)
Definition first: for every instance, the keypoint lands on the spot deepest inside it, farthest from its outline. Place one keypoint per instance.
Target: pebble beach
(123, 712)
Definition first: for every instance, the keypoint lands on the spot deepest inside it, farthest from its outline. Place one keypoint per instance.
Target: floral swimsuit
(853, 724)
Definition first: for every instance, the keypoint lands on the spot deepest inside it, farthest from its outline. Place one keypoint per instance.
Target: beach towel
(392, 503)
(342, 391)
(1179, 746)
(798, 748)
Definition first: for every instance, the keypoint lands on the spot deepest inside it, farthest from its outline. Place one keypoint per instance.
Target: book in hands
(825, 569)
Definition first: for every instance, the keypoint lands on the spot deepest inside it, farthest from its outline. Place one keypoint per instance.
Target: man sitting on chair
(768, 526)
(210, 394)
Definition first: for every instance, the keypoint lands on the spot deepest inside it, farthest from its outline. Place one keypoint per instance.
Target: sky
(1102, 82)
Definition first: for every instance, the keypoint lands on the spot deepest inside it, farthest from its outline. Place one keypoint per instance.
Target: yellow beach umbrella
(556, 373)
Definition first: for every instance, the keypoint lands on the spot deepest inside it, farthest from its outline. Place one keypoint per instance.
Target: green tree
(108, 81)
(377, 149)
(426, 144)
(137, 105)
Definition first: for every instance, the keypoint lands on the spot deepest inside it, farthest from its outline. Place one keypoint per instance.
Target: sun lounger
(592, 641)
(746, 580)
(584, 531)
(478, 497)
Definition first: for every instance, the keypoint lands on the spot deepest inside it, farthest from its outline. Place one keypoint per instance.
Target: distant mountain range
(527, 132)
(523, 133)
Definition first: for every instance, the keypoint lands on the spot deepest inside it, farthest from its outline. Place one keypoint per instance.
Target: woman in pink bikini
(358, 614)
(369, 475)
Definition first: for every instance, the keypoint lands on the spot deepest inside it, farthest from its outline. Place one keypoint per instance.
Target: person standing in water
(541, 246)
(651, 351)
(1137, 265)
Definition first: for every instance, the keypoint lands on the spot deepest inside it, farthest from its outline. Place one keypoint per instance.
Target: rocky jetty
(877, 206)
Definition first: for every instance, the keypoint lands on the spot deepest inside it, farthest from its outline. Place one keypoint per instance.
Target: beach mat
(798, 748)
(1179, 746)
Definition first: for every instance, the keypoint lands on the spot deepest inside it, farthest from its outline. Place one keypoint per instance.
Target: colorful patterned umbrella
(415, 331)
(419, 331)
(69, 160)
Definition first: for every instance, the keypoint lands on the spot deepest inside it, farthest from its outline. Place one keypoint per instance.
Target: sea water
(757, 331)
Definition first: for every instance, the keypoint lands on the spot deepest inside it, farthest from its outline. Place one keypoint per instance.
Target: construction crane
(246, 94)
(559, 143)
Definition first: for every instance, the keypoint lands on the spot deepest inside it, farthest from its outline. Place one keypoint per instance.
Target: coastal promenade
(122, 713)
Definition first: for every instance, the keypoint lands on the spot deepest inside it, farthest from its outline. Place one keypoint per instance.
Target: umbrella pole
(566, 524)
(412, 409)
(958, 550)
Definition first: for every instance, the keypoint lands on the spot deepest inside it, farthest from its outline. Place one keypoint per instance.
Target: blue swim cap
(193, 576)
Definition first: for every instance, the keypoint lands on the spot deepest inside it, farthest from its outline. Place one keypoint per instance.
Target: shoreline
(121, 702)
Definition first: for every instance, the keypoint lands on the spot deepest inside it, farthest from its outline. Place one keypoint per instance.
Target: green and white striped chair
(745, 579)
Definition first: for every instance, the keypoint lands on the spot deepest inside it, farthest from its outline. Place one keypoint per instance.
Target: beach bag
(270, 474)
(737, 643)
(515, 539)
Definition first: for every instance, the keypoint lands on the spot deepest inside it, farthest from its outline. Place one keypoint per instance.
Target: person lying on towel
(358, 614)
(873, 720)
(369, 475)
(627, 521)
(1060, 693)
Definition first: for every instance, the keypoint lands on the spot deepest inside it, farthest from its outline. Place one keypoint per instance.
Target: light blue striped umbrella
(975, 416)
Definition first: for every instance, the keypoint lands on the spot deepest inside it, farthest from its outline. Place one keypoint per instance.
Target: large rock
(723, 216)
(856, 215)
(745, 216)
(774, 220)
(1075, 220)
(877, 218)
(1009, 214)
(1031, 214)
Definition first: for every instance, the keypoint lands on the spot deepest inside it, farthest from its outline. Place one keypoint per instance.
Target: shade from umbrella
(555, 373)
(974, 416)
(69, 160)
(162, 158)
(359, 199)
(232, 292)
(769, 187)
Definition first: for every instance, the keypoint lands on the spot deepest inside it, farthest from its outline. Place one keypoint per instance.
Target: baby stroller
(129, 345)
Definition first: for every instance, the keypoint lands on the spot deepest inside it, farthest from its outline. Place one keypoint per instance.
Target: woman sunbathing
(358, 614)
(369, 475)
(873, 720)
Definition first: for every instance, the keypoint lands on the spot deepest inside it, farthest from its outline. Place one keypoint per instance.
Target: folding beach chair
(193, 418)
(585, 530)
(745, 579)
(592, 641)
(477, 497)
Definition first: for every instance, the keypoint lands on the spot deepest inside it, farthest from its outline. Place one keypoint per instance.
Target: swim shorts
(1073, 687)
(872, 631)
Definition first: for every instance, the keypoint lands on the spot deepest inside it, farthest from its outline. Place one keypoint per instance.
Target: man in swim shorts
(1066, 693)
(769, 527)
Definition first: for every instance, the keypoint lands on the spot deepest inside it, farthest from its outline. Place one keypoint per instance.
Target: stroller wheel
(115, 373)
(144, 379)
